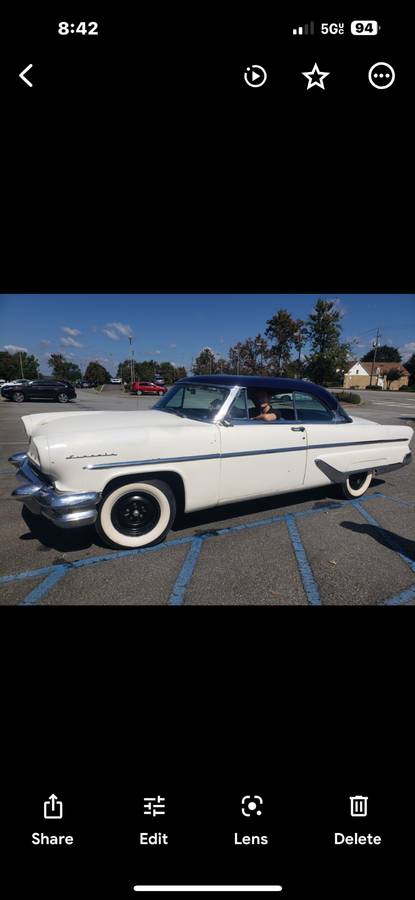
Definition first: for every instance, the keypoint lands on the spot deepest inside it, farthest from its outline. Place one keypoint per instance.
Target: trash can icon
(358, 805)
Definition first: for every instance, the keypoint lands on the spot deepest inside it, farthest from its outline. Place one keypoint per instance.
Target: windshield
(194, 401)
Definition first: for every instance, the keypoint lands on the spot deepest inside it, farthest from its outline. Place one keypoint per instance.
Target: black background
(140, 161)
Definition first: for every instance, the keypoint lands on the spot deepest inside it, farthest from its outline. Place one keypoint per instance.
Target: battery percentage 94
(368, 26)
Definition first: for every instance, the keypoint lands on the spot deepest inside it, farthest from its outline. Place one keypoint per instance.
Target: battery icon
(361, 26)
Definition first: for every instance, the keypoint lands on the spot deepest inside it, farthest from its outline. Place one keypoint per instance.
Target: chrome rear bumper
(61, 507)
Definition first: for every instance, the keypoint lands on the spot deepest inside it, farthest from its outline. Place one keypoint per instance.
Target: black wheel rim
(357, 481)
(135, 513)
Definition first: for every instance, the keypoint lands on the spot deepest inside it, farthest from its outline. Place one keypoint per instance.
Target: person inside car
(263, 409)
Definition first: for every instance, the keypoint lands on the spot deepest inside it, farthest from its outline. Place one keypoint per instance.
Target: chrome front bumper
(62, 508)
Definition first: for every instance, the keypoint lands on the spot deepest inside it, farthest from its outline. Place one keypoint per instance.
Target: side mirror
(227, 422)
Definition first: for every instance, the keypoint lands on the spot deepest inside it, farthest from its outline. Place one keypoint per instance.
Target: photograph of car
(147, 387)
(211, 440)
(61, 391)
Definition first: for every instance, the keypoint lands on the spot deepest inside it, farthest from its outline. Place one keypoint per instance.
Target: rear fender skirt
(341, 477)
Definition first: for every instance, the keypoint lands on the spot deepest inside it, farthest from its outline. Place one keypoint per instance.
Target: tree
(410, 365)
(18, 365)
(97, 373)
(393, 375)
(300, 338)
(250, 357)
(385, 353)
(281, 329)
(124, 370)
(205, 363)
(327, 352)
(63, 369)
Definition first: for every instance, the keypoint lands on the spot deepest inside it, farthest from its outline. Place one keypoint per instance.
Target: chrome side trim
(180, 459)
(152, 462)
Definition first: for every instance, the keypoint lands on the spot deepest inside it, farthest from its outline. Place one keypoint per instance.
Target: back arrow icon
(22, 75)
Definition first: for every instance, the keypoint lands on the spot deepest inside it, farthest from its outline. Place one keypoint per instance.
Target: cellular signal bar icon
(304, 29)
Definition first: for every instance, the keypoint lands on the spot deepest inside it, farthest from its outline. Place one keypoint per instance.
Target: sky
(175, 327)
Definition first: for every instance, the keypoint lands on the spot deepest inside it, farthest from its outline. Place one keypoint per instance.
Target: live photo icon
(358, 806)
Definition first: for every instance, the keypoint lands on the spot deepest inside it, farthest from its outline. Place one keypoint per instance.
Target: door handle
(298, 428)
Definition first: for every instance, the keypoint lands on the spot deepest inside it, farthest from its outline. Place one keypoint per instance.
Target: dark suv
(62, 391)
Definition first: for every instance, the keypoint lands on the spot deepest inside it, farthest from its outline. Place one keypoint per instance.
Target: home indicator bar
(209, 888)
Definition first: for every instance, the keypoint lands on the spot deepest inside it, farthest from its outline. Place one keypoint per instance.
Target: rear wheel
(18, 397)
(357, 485)
(136, 514)
(62, 398)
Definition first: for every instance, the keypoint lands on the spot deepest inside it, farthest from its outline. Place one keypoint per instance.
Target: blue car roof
(268, 383)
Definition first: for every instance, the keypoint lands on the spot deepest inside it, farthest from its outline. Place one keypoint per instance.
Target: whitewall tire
(357, 485)
(136, 514)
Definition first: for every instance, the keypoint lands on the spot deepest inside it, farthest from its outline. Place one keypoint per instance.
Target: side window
(244, 406)
(283, 405)
(310, 409)
(238, 409)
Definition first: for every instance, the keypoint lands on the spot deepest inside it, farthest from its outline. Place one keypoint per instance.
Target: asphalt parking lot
(306, 548)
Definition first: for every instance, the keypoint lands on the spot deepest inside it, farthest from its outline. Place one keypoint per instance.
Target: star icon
(315, 77)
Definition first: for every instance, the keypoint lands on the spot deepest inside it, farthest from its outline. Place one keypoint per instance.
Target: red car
(147, 387)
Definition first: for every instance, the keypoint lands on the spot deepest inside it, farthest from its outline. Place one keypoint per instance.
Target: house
(358, 376)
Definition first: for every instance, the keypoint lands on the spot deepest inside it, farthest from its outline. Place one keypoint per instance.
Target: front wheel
(136, 514)
(18, 397)
(356, 485)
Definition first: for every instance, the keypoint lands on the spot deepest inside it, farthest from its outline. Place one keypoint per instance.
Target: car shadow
(275, 504)
(387, 538)
(52, 537)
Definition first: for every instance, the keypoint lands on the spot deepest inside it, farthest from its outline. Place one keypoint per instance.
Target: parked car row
(62, 391)
(148, 387)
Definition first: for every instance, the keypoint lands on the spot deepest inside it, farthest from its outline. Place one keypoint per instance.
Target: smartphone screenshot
(207, 408)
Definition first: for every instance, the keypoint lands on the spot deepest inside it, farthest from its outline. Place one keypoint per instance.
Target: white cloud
(46, 343)
(157, 352)
(120, 329)
(407, 350)
(72, 331)
(11, 348)
(173, 346)
(111, 334)
(70, 342)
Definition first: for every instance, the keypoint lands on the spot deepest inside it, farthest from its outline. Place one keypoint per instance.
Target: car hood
(75, 423)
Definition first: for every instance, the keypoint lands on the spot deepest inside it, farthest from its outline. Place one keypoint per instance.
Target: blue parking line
(390, 540)
(306, 573)
(183, 579)
(403, 597)
(233, 529)
(44, 587)
(177, 595)
(398, 500)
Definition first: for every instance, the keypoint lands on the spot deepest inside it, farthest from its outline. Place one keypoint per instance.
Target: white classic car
(208, 441)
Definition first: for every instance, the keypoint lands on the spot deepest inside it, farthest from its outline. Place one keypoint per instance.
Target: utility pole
(376, 345)
(131, 361)
(21, 363)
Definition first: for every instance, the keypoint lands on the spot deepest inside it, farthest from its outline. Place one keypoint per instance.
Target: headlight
(33, 453)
